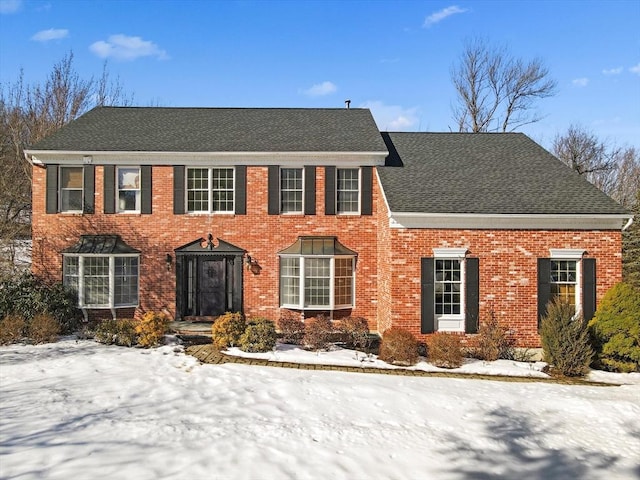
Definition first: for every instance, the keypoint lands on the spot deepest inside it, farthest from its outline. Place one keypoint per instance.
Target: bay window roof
(101, 245)
(317, 246)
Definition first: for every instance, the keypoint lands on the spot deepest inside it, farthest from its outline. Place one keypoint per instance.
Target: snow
(79, 409)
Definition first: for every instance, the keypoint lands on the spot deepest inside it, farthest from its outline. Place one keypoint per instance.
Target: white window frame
(61, 189)
(301, 305)
(282, 190)
(210, 190)
(451, 322)
(359, 192)
(138, 190)
(575, 255)
(80, 284)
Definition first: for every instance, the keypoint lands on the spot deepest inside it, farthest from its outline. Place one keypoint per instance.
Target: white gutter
(628, 224)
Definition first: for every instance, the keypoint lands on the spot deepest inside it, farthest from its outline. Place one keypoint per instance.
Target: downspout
(628, 224)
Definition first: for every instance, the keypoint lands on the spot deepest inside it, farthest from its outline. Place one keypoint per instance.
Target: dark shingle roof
(158, 129)
(483, 173)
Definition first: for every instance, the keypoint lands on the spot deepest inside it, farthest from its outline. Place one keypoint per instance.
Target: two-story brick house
(197, 211)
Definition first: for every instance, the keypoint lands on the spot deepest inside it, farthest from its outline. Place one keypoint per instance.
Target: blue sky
(393, 57)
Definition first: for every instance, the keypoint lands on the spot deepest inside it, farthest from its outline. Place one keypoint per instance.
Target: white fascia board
(466, 221)
(207, 158)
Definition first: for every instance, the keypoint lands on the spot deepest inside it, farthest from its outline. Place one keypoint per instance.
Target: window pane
(71, 189)
(222, 189)
(448, 284)
(71, 200)
(198, 190)
(343, 283)
(348, 190)
(126, 281)
(564, 280)
(291, 190)
(96, 281)
(317, 281)
(70, 272)
(290, 281)
(71, 177)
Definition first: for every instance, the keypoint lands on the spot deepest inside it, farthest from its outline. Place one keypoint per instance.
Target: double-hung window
(71, 189)
(564, 281)
(103, 281)
(128, 189)
(317, 273)
(210, 190)
(348, 191)
(291, 190)
(449, 286)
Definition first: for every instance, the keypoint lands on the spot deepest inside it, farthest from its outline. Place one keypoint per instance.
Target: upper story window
(317, 273)
(348, 190)
(291, 190)
(71, 189)
(129, 189)
(210, 190)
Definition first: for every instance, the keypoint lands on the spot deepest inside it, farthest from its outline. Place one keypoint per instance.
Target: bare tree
(631, 248)
(28, 113)
(497, 92)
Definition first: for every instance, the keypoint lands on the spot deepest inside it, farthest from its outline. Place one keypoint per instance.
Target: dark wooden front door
(211, 294)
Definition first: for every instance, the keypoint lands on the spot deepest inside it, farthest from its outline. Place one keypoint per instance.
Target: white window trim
(572, 254)
(60, 189)
(209, 209)
(332, 277)
(358, 212)
(301, 212)
(452, 322)
(139, 190)
(112, 280)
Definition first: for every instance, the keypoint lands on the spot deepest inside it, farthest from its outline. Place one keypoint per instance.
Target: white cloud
(635, 69)
(442, 14)
(392, 117)
(580, 82)
(51, 34)
(10, 6)
(123, 47)
(320, 89)
(612, 71)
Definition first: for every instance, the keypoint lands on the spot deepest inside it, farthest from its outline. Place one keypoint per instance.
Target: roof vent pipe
(347, 103)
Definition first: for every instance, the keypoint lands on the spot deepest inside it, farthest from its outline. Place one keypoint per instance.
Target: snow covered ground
(81, 410)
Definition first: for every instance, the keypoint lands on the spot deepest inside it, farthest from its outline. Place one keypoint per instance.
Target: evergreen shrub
(565, 340)
(227, 330)
(120, 332)
(398, 347)
(259, 336)
(151, 329)
(615, 330)
(445, 350)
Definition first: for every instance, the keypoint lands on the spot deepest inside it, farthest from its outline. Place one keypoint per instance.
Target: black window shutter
(329, 190)
(146, 189)
(367, 191)
(427, 312)
(274, 190)
(472, 291)
(89, 189)
(178, 189)
(109, 189)
(544, 287)
(309, 190)
(52, 189)
(588, 288)
(241, 190)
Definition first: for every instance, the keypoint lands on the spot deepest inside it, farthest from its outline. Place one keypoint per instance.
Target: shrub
(27, 296)
(151, 329)
(398, 347)
(615, 329)
(445, 350)
(292, 330)
(227, 330)
(493, 341)
(317, 333)
(43, 328)
(119, 332)
(259, 336)
(355, 331)
(565, 340)
(12, 329)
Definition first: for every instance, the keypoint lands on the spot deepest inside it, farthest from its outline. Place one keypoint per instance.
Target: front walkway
(206, 353)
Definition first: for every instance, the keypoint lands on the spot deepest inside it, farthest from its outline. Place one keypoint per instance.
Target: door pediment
(209, 246)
